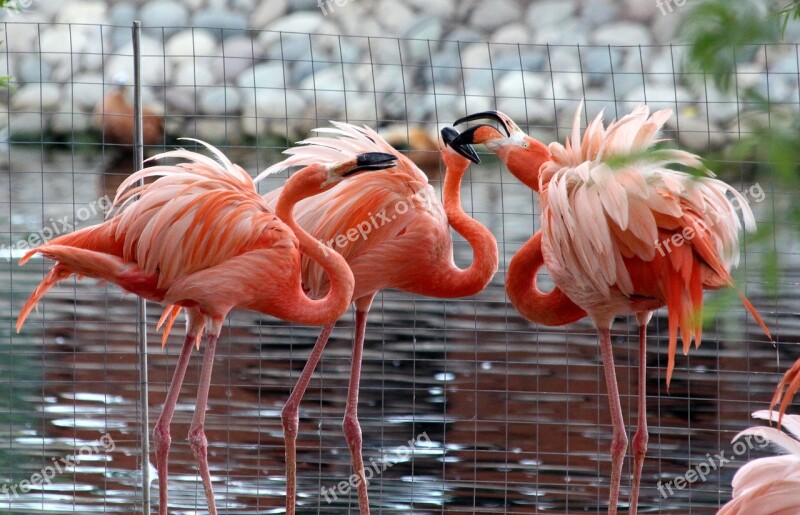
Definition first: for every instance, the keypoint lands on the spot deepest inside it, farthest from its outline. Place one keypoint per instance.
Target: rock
(269, 105)
(306, 22)
(361, 107)
(489, 16)
(36, 97)
(82, 11)
(395, 17)
(520, 84)
(122, 14)
(571, 31)
(66, 121)
(267, 12)
(187, 44)
(219, 131)
(268, 74)
(24, 126)
(622, 33)
(19, 37)
(600, 12)
(164, 13)
(695, 133)
(192, 74)
(230, 22)
(599, 62)
(513, 33)
(549, 12)
(153, 66)
(90, 88)
(31, 69)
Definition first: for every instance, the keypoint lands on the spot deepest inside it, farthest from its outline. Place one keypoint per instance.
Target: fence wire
(503, 415)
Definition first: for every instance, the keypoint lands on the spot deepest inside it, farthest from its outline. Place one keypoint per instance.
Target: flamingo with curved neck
(404, 243)
(200, 237)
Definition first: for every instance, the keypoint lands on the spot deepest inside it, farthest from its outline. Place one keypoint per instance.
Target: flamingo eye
(525, 144)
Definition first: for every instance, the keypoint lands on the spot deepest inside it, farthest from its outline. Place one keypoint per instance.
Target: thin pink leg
(197, 435)
(640, 438)
(619, 440)
(351, 426)
(291, 421)
(161, 436)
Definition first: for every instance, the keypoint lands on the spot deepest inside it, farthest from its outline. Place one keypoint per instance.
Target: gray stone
(215, 130)
(82, 11)
(89, 88)
(258, 109)
(192, 74)
(36, 97)
(122, 14)
(31, 69)
(27, 124)
(19, 37)
(268, 74)
(188, 44)
(516, 33)
(394, 16)
(489, 16)
(267, 12)
(165, 13)
(232, 23)
(549, 12)
(622, 33)
(66, 121)
(696, 133)
(572, 31)
(600, 12)
(153, 63)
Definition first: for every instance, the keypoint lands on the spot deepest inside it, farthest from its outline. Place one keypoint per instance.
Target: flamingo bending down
(618, 241)
(408, 247)
(202, 238)
(768, 485)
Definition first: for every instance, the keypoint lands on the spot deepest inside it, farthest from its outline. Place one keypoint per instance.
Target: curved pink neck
(303, 184)
(551, 309)
(452, 281)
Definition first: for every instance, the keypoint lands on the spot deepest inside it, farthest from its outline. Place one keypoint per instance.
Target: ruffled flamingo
(394, 233)
(201, 237)
(619, 239)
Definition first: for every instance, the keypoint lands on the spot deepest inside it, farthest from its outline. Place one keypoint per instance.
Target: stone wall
(232, 82)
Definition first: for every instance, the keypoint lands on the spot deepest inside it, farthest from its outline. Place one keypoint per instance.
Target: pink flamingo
(768, 485)
(394, 233)
(618, 241)
(201, 237)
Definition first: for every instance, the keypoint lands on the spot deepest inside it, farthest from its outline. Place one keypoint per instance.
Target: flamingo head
(522, 155)
(456, 158)
(337, 171)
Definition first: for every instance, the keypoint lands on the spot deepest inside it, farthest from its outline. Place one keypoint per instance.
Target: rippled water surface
(507, 416)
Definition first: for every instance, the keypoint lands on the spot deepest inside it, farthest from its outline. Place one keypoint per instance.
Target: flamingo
(113, 116)
(408, 247)
(200, 237)
(772, 484)
(619, 241)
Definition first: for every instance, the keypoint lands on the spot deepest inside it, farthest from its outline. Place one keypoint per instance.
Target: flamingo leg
(350, 424)
(619, 440)
(197, 435)
(639, 443)
(161, 434)
(290, 418)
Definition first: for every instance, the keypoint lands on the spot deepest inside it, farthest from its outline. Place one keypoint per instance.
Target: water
(505, 416)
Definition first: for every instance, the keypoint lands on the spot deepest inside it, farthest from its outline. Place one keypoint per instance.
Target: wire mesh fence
(465, 406)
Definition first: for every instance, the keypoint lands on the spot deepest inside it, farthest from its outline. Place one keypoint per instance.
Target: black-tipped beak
(467, 137)
(372, 161)
(450, 136)
(487, 115)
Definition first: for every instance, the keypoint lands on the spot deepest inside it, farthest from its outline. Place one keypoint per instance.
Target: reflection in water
(516, 414)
